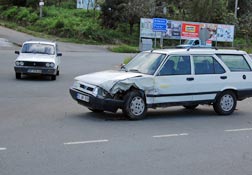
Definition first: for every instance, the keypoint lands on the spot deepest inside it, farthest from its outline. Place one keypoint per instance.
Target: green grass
(71, 25)
(124, 49)
(127, 60)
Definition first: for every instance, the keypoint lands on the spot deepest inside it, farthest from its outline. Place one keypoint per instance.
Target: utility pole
(236, 8)
(41, 4)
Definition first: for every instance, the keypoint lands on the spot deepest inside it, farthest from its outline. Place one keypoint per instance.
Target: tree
(19, 2)
(130, 11)
(134, 10)
(111, 13)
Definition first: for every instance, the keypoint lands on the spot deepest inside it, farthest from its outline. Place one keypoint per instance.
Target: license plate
(36, 71)
(83, 97)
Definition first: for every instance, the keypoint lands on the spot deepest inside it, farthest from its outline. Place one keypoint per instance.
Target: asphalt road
(43, 131)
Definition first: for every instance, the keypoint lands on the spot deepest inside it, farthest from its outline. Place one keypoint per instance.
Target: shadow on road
(167, 113)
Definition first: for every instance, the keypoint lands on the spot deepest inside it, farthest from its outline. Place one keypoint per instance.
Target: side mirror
(17, 52)
(59, 54)
(123, 66)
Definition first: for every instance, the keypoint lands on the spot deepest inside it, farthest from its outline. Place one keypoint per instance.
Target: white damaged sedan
(169, 77)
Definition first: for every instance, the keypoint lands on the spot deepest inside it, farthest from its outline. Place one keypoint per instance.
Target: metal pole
(40, 11)
(236, 8)
(155, 43)
(41, 4)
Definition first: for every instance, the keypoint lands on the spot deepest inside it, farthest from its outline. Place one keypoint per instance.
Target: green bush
(124, 49)
(10, 13)
(22, 14)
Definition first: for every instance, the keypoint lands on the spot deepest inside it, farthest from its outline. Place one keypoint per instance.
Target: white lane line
(3, 149)
(85, 142)
(237, 130)
(170, 135)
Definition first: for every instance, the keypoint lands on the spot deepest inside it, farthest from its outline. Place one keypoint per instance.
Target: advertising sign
(146, 29)
(190, 30)
(159, 25)
(85, 4)
(185, 30)
(212, 30)
(225, 33)
(173, 30)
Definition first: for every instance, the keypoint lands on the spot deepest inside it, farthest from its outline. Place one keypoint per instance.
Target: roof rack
(213, 47)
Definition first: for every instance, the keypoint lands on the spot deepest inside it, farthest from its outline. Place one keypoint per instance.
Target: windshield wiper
(134, 70)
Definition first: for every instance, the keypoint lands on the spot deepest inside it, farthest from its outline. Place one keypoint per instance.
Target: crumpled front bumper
(99, 103)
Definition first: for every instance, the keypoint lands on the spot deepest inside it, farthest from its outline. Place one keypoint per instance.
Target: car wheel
(95, 110)
(53, 77)
(225, 103)
(134, 106)
(191, 106)
(18, 75)
(58, 71)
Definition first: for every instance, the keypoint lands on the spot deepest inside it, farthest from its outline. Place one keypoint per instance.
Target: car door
(173, 81)
(240, 72)
(209, 77)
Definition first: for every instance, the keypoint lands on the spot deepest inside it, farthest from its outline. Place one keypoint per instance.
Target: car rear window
(235, 63)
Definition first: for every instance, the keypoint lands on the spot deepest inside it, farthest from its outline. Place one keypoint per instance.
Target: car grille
(35, 64)
(86, 87)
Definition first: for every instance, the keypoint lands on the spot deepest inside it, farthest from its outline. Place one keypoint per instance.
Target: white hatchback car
(38, 57)
(169, 77)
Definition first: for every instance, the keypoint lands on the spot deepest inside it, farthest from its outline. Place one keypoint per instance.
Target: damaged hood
(113, 81)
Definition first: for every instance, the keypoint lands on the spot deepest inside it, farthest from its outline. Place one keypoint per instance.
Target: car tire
(225, 103)
(18, 76)
(58, 72)
(96, 110)
(53, 77)
(134, 106)
(191, 107)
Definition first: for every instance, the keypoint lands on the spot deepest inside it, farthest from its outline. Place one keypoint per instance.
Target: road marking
(171, 135)
(3, 149)
(85, 142)
(237, 130)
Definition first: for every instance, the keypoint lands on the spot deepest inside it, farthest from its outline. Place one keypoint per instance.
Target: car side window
(207, 65)
(235, 63)
(176, 65)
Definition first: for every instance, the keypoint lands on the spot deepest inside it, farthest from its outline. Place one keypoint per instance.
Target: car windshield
(188, 42)
(38, 48)
(145, 62)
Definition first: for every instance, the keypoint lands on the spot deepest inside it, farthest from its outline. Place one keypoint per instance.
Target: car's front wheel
(134, 105)
(225, 103)
(53, 77)
(18, 75)
(58, 72)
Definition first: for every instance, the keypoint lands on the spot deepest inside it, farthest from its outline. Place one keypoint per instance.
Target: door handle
(189, 79)
(223, 77)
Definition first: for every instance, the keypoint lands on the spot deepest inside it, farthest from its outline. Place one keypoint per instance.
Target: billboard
(146, 29)
(212, 30)
(173, 30)
(85, 4)
(225, 33)
(190, 30)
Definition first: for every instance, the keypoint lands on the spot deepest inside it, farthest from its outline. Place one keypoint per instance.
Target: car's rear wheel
(225, 103)
(134, 105)
(191, 106)
(18, 75)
